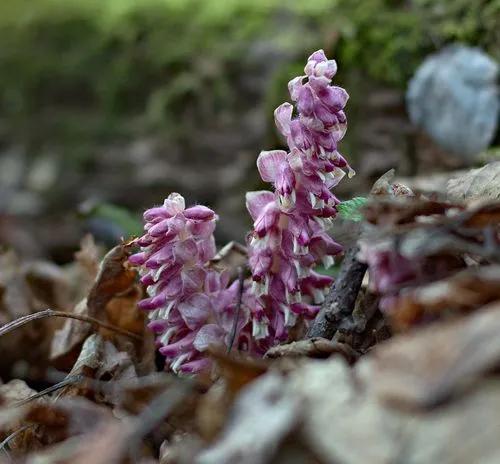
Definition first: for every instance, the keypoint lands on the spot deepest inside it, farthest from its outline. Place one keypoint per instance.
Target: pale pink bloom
(290, 236)
(190, 305)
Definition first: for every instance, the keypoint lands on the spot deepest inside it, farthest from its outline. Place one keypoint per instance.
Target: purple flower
(290, 236)
(190, 305)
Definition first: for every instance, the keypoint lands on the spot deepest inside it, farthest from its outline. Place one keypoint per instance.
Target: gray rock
(454, 97)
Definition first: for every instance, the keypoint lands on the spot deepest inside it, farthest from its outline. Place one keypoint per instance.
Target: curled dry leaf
(99, 360)
(112, 298)
(385, 186)
(114, 278)
(431, 184)
(482, 183)
(463, 291)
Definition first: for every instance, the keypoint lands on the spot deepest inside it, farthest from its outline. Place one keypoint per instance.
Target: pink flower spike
(188, 298)
(193, 300)
(290, 232)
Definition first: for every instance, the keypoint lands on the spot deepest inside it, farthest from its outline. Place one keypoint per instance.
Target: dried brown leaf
(121, 311)
(462, 292)
(67, 340)
(426, 367)
(230, 258)
(99, 360)
(237, 370)
(481, 215)
(346, 422)
(404, 210)
(113, 298)
(114, 278)
(482, 183)
(62, 426)
(262, 417)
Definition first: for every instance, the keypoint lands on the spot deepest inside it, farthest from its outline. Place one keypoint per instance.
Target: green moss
(98, 63)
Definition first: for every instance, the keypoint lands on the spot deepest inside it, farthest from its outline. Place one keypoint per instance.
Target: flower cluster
(190, 304)
(290, 234)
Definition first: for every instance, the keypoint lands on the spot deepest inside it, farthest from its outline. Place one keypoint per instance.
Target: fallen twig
(313, 348)
(51, 313)
(5, 443)
(67, 381)
(339, 303)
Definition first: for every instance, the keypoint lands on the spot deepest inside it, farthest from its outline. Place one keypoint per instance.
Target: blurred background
(107, 106)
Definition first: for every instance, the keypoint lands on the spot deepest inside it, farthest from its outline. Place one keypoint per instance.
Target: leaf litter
(411, 374)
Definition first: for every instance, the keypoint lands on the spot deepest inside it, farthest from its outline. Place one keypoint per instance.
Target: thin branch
(67, 381)
(339, 304)
(51, 313)
(241, 280)
(5, 443)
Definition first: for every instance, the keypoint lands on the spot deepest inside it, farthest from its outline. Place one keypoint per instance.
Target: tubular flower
(289, 234)
(190, 304)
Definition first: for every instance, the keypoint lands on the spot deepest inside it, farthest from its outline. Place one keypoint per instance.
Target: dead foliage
(411, 374)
